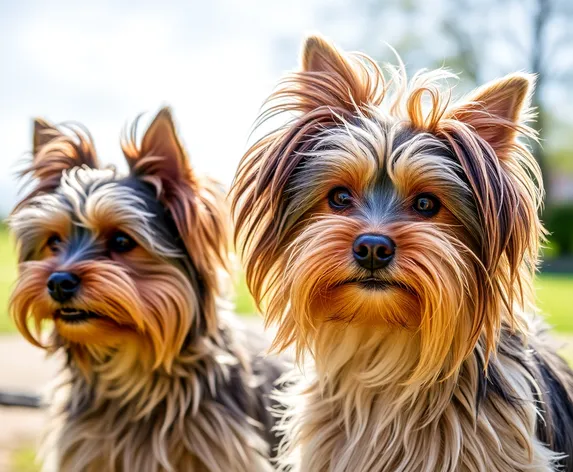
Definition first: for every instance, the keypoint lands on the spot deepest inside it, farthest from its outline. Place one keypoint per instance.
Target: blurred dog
(127, 268)
(393, 234)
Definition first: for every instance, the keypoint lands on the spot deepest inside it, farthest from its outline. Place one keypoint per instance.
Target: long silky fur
(208, 413)
(164, 380)
(456, 375)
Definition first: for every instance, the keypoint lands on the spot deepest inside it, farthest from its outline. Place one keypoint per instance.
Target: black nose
(373, 251)
(63, 285)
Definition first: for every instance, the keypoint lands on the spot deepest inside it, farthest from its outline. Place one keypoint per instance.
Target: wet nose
(62, 286)
(373, 251)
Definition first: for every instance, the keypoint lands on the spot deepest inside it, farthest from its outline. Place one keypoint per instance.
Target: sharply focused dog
(392, 234)
(127, 267)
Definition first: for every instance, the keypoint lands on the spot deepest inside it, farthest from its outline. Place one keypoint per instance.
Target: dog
(128, 270)
(392, 234)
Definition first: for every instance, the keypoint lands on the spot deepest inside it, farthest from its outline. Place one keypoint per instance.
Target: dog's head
(383, 204)
(116, 260)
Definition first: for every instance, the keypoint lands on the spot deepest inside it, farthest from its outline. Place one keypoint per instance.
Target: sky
(103, 63)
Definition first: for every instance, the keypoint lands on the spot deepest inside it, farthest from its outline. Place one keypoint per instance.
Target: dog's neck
(123, 370)
(128, 375)
(357, 362)
(183, 417)
(359, 399)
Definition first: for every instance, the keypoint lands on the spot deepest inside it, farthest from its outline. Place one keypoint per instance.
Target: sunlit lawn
(555, 298)
(24, 459)
(7, 277)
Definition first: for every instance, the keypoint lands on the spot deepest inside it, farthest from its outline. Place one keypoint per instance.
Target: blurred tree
(494, 37)
(482, 39)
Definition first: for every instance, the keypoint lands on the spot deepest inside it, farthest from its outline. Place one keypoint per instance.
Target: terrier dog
(128, 270)
(393, 234)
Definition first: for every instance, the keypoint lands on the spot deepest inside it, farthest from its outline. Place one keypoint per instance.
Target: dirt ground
(24, 368)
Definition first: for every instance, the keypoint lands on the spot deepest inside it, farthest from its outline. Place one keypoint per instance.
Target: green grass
(555, 293)
(23, 459)
(7, 277)
(555, 298)
(244, 304)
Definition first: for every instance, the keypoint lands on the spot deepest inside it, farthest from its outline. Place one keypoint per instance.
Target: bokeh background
(103, 63)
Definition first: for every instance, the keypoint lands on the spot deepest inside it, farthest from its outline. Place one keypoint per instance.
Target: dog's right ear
(196, 205)
(43, 133)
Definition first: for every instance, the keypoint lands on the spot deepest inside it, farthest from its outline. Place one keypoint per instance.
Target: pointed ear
(336, 79)
(497, 111)
(161, 154)
(43, 133)
(57, 149)
(196, 205)
(321, 56)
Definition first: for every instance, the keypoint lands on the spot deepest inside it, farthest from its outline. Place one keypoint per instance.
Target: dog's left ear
(161, 156)
(197, 205)
(59, 148)
(497, 111)
(320, 56)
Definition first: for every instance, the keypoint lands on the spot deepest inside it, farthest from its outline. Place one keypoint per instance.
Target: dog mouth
(375, 284)
(73, 315)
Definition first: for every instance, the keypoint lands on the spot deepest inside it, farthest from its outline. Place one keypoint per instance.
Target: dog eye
(53, 244)
(426, 204)
(340, 198)
(121, 242)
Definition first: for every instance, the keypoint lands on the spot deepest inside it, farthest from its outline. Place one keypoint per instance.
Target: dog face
(117, 260)
(384, 205)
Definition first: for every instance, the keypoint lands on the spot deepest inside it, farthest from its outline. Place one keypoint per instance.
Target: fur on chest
(167, 439)
(208, 414)
(516, 418)
(374, 438)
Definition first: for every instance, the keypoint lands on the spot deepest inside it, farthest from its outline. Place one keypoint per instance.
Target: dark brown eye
(340, 198)
(426, 204)
(121, 242)
(54, 244)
